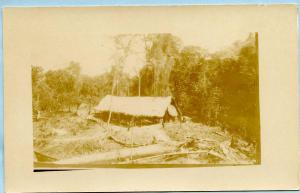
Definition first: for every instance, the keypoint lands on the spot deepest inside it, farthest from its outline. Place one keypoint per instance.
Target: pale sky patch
(86, 36)
(95, 52)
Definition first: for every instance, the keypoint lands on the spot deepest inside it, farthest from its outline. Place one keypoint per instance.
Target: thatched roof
(137, 106)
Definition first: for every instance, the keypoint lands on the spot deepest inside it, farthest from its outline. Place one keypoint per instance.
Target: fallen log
(120, 155)
(166, 155)
(125, 144)
(218, 155)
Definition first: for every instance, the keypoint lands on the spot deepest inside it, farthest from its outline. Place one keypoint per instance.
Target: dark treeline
(219, 89)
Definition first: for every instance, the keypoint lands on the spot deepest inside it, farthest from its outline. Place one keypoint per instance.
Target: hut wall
(127, 120)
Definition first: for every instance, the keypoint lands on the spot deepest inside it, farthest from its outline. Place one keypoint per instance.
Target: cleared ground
(70, 139)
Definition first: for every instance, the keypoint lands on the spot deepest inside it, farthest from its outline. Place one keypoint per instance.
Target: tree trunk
(139, 85)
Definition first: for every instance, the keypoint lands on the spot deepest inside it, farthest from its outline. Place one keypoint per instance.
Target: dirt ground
(66, 137)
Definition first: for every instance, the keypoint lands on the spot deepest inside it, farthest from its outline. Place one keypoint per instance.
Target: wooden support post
(109, 118)
(180, 122)
(110, 112)
(131, 153)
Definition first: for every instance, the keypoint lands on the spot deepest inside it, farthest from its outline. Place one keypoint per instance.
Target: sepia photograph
(189, 98)
(151, 100)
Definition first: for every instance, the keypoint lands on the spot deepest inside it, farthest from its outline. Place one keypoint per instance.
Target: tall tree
(160, 58)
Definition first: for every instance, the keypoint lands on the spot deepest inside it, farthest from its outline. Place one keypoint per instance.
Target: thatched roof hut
(139, 106)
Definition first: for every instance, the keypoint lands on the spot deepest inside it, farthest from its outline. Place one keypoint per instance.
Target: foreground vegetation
(68, 138)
